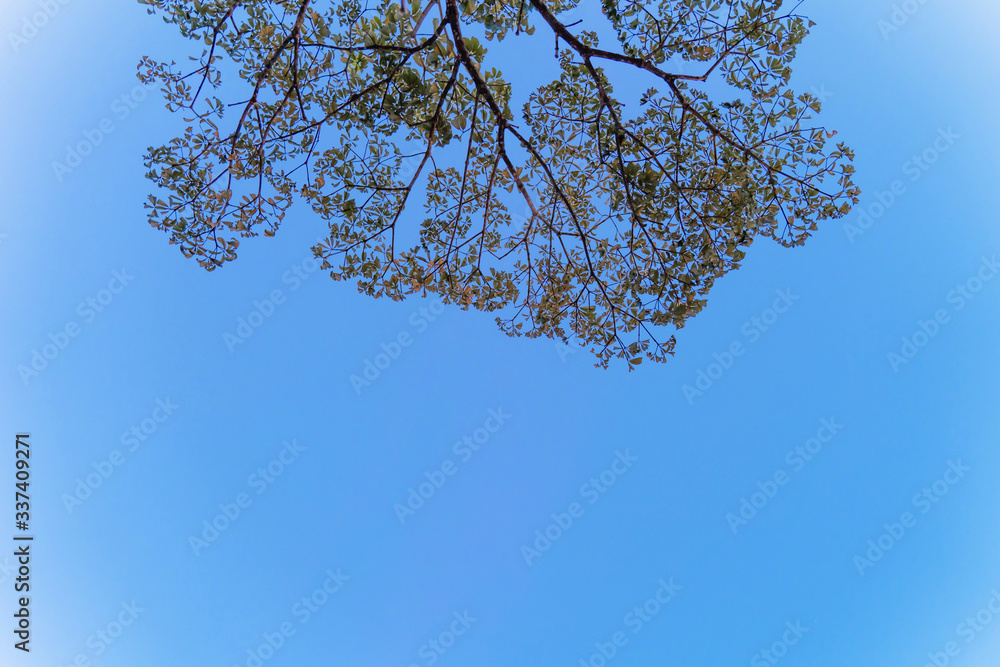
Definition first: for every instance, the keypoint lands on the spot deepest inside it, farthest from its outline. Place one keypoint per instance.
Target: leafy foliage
(630, 213)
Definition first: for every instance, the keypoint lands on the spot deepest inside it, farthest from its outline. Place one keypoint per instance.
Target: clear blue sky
(150, 354)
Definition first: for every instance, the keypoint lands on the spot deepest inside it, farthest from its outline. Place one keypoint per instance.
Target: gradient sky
(857, 288)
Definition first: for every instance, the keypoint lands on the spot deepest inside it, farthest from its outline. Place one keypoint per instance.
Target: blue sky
(273, 429)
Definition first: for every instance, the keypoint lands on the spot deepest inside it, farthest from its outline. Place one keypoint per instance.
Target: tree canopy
(366, 109)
